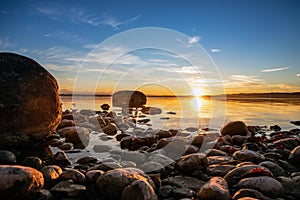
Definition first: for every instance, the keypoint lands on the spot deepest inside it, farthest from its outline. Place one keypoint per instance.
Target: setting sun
(197, 92)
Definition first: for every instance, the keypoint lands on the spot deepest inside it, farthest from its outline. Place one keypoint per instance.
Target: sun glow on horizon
(197, 92)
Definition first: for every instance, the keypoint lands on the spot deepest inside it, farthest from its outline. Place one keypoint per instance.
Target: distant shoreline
(228, 96)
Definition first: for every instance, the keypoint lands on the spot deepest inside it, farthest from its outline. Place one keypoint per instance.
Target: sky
(232, 46)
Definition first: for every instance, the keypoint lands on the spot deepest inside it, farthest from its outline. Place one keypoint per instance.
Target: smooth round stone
(215, 188)
(110, 129)
(219, 170)
(74, 175)
(273, 167)
(183, 182)
(139, 189)
(79, 136)
(7, 157)
(33, 162)
(152, 167)
(243, 193)
(66, 146)
(294, 156)
(215, 152)
(235, 175)
(92, 176)
(65, 123)
(30, 106)
(19, 181)
(112, 183)
(265, 184)
(234, 128)
(68, 189)
(187, 164)
(51, 174)
(248, 155)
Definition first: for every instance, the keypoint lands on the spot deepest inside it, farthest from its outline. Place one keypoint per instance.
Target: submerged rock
(18, 181)
(29, 102)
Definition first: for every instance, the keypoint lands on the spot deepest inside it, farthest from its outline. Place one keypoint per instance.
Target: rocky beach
(47, 153)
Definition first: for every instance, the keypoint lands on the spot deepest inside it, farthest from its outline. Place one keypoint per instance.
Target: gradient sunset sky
(255, 44)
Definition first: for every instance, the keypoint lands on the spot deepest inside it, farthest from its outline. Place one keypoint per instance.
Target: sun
(197, 92)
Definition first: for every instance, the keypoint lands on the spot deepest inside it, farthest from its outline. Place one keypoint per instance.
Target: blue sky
(255, 44)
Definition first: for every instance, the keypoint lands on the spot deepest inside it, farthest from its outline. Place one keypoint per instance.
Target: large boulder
(29, 102)
(129, 99)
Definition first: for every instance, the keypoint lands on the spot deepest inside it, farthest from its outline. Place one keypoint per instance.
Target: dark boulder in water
(129, 99)
(29, 102)
(234, 128)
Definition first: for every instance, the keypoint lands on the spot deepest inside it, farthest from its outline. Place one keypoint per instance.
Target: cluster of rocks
(240, 163)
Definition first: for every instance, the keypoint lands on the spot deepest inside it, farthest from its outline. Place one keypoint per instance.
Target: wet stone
(51, 174)
(92, 176)
(183, 193)
(249, 193)
(187, 164)
(87, 160)
(219, 170)
(234, 128)
(265, 184)
(248, 155)
(68, 189)
(101, 148)
(7, 157)
(33, 162)
(17, 181)
(183, 182)
(273, 167)
(249, 170)
(74, 175)
(215, 188)
(139, 189)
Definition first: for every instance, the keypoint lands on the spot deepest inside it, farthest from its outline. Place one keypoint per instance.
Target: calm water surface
(199, 112)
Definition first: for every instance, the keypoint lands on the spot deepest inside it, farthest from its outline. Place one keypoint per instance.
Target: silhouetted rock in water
(29, 103)
(129, 99)
(19, 182)
(151, 111)
(297, 123)
(105, 106)
(234, 128)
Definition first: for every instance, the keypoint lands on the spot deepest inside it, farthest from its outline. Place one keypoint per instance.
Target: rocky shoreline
(166, 164)
(104, 154)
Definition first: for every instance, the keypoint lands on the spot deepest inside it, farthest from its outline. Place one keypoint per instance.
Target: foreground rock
(129, 99)
(29, 103)
(17, 181)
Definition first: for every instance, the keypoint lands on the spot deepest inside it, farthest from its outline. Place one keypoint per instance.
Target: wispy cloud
(3, 12)
(276, 69)
(5, 43)
(82, 16)
(215, 50)
(193, 40)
